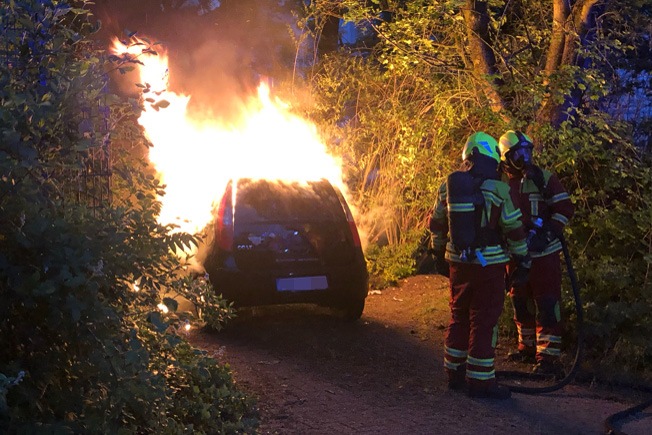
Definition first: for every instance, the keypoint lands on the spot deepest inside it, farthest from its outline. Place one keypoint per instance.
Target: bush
(401, 109)
(609, 239)
(97, 355)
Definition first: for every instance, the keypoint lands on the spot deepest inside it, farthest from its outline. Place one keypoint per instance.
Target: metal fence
(90, 183)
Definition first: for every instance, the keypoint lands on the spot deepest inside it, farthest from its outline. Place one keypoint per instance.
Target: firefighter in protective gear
(477, 263)
(547, 209)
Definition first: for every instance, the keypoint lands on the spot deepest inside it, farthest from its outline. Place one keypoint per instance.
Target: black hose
(580, 340)
(608, 423)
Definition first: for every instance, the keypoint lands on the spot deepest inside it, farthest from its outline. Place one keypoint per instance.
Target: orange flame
(195, 157)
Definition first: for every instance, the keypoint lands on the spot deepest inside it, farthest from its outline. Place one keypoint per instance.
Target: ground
(313, 373)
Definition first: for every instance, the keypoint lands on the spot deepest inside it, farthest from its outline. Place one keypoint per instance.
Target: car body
(279, 242)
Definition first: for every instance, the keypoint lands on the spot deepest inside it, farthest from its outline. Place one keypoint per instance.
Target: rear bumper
(253, 289)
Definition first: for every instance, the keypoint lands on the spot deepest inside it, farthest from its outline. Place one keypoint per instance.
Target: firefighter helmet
(483, 144)
(516, 149)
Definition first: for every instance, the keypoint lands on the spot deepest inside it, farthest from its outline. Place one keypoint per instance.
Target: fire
(196, 156)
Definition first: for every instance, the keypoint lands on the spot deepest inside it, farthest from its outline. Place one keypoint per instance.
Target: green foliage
(400, 117)
(402, 108)
(212, 310)
(97, 355)
(611, 239)
(389, 263)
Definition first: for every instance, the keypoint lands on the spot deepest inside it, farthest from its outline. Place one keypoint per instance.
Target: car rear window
(273, 201)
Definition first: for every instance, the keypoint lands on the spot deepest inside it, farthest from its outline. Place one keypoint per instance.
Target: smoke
(218, 57)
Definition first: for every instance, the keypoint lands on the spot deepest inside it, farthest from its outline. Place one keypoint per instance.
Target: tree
(572, 28)
(444, 69)
(84, 348)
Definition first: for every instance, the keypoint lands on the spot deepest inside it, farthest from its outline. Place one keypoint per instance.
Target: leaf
(172, 304)
(83, 145)
(75, 281)
(155, 318)
(162, 104)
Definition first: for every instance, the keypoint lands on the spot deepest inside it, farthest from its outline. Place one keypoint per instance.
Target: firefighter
(475, 229)
(546, 208)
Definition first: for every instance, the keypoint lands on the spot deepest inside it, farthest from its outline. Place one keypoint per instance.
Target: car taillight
(354, 233)
(224, 221)
(349, 219)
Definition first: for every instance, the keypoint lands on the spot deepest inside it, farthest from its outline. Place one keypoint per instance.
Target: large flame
(195, 157)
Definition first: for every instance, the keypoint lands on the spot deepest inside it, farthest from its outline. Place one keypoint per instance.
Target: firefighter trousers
(477, 295)
(537, 309)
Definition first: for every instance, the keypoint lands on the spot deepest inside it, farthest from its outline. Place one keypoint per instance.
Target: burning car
(279, 242)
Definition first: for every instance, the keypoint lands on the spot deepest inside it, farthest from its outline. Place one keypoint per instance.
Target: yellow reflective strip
(491, 197)
(560, 218)
(559, 197)
(548, 350)
(455, 352)
(495, 249)
(451, 365)
(495, 259)
(554, 246)
(461, 207)
(482, 376)
(517, 247)
(534, 207)
(549, 338)
(482, 362)
(536, 197)
(508, 217)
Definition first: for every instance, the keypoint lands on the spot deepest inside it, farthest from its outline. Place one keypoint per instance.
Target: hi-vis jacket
(499, 215)
(553, 205)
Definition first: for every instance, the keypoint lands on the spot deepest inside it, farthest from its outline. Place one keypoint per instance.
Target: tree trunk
(570, 27)
(560, 14)
(481, 53)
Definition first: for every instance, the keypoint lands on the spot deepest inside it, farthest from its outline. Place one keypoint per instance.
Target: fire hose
(612, 419)
(580, 341)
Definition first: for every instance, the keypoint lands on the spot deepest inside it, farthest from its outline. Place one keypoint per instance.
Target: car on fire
(278, 242)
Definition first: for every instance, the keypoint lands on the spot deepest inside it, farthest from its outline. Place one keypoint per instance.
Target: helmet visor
(520, 157)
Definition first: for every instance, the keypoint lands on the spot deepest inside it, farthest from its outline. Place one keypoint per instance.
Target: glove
(519, 276)
(538, 240)
(442, 266)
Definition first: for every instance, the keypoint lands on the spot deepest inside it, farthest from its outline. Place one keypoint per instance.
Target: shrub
(97, 355)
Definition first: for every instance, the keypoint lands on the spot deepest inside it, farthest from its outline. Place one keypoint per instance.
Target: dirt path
(315, 374)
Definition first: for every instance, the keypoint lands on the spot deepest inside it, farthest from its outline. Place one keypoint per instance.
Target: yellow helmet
(516, 148)
(483, 144)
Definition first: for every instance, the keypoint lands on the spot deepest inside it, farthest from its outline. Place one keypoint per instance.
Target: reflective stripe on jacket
(553, 206)
(499, 215)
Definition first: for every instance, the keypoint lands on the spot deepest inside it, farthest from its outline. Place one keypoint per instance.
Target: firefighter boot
(489, 390)
(549, 367)
(525, 356)
(457, 378)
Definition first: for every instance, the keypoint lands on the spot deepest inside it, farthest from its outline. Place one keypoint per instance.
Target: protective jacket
(537, 305)
(477, 282)
(499, 216)
(552, 205)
